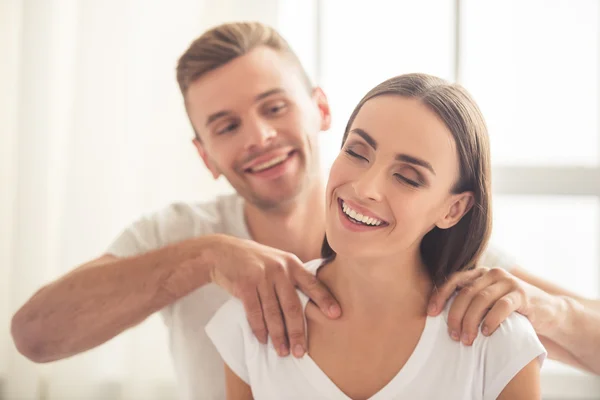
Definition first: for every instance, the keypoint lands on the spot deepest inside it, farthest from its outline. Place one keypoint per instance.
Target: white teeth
(269, 164)
(359, 217)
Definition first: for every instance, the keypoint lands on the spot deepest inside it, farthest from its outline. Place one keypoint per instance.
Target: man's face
(257, 123)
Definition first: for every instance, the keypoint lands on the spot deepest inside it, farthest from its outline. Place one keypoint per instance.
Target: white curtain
(92, 134)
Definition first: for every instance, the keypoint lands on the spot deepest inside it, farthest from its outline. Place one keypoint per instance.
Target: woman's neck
(375, 287)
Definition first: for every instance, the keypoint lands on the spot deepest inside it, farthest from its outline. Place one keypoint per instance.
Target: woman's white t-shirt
(195, 359)
(439, 368)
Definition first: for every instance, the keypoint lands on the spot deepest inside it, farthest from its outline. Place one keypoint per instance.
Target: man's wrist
(207, 252)
(566, 318)
(193, 265)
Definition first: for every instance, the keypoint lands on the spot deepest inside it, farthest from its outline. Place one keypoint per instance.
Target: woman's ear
(460, 204)
(207, 160)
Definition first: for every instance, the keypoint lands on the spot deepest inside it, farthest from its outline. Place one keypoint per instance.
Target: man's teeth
(359, 217)
(269, 164)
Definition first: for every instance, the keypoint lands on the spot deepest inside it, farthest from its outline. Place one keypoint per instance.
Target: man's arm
(102, 298)
(576, 329)
(554, 289)
(567, 323)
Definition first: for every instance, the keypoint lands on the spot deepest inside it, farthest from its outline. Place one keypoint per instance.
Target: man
(256, 117)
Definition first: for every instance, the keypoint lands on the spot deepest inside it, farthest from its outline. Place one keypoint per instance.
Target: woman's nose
(369, 185)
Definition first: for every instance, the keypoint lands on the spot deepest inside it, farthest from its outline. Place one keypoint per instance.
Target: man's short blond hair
(223, 43)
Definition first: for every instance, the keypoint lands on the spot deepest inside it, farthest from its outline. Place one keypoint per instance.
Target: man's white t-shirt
(197, 363)
(439, 368)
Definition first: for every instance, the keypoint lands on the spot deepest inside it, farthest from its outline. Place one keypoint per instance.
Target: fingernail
(298, 351)
(454, 335)
(431, 309)
(283, 350)
(485, 331)
(465, 338)
(334, 311)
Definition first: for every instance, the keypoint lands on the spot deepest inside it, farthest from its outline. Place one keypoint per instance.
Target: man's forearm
(591, 305)
(579, 332)
(94, 303)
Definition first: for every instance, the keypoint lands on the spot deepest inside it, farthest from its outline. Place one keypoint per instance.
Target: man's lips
(267, 160)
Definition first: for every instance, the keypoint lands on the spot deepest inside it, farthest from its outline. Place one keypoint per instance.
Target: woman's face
(392, 182)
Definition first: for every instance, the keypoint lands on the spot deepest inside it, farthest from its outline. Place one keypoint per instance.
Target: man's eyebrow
(268, 93)
(213, 117)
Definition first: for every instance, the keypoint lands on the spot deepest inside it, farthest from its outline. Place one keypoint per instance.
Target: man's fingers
(500, 311)
(480, 304)
(293, 315)
(317, 292)
(273, 318)
(461, 303)
(441, 294)
(254, 313)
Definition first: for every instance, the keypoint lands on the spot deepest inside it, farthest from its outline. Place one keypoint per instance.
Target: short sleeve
(494, 257)
(138, 238)
(230, 333)
(507, 351)
(171, 224)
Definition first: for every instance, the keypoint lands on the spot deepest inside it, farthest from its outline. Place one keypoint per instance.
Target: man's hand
(265, 280)
(487, 297)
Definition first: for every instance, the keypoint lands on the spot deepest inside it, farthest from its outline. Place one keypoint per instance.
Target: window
(533, 67)
(357, 53)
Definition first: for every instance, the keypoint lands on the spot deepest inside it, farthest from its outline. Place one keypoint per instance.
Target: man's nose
(258, 133)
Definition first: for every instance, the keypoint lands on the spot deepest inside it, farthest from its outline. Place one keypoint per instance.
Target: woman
(408, 204)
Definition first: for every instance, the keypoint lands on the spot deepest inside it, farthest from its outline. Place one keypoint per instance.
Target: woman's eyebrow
(368, 138)
(414, 160)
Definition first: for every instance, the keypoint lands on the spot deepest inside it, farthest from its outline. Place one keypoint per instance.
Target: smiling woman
(407, 204)
(544, 136)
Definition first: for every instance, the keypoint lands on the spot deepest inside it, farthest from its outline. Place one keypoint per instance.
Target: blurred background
(93, 133)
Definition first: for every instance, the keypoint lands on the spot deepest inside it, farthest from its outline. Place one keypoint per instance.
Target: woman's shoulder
(515, 331)
(231, 335)
(233, 309)
(514, 326)
(499, 356)
(232, 315)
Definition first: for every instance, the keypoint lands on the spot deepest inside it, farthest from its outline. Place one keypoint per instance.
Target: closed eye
(407, 181)
(228, 128)
(275, 108)
(355, 155)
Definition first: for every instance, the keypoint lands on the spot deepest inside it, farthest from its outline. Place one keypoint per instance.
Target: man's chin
(275, 200)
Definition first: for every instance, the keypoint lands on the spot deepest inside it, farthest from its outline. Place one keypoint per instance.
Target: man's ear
(207, 161)
(323, 105)
(460, 204)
